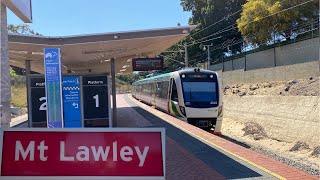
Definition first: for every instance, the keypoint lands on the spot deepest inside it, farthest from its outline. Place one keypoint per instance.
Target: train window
(174, 94)
(162, 89)
(158, 89)
(165, 87)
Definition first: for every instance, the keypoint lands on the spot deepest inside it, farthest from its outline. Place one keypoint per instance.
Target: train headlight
(183, 75)
(211, 76)
(183, 111)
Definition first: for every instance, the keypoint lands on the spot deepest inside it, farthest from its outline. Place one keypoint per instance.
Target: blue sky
(74, 17)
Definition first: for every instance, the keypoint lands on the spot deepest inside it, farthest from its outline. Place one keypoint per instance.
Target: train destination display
(147, 64)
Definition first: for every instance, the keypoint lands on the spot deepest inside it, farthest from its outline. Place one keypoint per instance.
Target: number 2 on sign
(96, 97)
(43, 106)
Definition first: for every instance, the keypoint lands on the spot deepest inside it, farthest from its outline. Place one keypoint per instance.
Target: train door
(173, 98)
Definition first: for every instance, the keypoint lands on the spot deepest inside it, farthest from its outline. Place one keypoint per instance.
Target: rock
(311, 78)
(227, 87)
(242, 93)
(292, 82)
(257, 137)
(287, 88)
(16, 111)
(253, 87)
(235, 90)
(266, 84)
(252, 93)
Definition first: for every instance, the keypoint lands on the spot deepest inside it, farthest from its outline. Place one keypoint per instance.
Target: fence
(294, 53)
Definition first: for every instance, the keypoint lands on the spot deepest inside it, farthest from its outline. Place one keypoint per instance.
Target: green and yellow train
(192, 95)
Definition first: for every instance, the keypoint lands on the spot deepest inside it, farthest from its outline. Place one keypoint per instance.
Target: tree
(12, 73)
(130, 78)
(21, 29)
(262, 19)
(205, 14)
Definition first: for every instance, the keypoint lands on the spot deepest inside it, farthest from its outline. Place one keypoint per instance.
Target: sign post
(99, 153)
(52, 63)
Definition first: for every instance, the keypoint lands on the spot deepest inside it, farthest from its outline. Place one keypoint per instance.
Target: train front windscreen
(200, 91)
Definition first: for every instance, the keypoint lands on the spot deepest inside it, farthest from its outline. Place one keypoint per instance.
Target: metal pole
(114, 100)
(209, 57)
(208, 53)
(28, 72)
(274, 51)
(186, 55)
(311, 29)
(222, 64)
(5, 87)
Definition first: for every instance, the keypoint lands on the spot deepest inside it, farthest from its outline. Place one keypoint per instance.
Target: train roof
(161, 76)
(183, 71)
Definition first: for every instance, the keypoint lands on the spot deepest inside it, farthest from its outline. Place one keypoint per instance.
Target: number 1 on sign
(96, 97)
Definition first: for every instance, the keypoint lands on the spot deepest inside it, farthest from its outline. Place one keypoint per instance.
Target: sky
(75, 17)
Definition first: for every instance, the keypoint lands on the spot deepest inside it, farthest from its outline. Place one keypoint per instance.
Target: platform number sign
(95, 96)
(38, 100)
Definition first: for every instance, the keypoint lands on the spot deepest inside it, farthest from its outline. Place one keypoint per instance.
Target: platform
(192, 153)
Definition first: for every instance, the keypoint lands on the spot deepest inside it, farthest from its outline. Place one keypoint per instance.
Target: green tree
(261, 19)
(130, 78)
(12, 73)
(206, 14)
(21, 29)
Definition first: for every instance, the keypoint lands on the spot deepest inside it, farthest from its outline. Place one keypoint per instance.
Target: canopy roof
(85, 53)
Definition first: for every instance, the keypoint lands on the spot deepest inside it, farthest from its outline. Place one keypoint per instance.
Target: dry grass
(19, 96)
(255, 130)
(316, 152)
(299, 146)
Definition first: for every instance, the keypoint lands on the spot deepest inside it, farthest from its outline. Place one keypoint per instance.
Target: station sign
(121, 153)
(85, 101)
(38, 102)
(53, 78)
(147, 64)
(71, 101)
(95, 94)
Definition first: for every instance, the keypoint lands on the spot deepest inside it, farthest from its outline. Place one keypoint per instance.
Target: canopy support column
(5, 84)
(114, 100)
(28, 85)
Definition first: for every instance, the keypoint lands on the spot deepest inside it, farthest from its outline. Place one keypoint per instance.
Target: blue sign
(52, 66)
(71, 101)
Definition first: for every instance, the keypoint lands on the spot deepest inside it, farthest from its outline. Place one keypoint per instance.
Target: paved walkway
(192, 153)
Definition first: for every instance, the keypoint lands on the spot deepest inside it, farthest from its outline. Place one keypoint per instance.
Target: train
(191, 95)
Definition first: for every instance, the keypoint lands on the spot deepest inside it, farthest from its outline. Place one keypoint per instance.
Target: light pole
(207, 47)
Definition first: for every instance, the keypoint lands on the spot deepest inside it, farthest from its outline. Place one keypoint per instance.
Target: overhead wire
(238, 41)
(228, 29)
(197, 32)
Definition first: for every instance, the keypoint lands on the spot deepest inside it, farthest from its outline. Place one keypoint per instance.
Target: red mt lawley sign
(83, 152)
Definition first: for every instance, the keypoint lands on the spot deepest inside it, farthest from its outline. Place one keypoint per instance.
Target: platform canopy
(92, 53)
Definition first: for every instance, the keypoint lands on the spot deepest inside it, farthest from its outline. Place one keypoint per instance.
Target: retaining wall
(286, 118)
